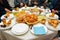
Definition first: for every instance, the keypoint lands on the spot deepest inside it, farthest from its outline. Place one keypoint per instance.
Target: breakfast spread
(28, 17)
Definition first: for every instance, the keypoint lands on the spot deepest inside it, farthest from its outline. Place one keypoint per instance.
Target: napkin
(39, 30)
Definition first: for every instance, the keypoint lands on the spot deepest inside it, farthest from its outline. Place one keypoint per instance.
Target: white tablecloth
(29, 36)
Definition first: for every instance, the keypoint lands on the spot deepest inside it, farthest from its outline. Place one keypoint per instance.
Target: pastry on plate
(17, 14)
(4, 22)
(17, 9)
(43, 21)
(20, 19)
(54, 23)
(31, 19)
(9, 22)
(7, 14)
(52, 15)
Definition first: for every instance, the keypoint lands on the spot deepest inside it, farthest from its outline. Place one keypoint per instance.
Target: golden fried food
(17, 8)
(7, 14)
(17, 14)
(54, 23)
(49, 21)
(31, 18)
(20, 19)
(43, 21)
(9, 22)
(52, 15)
(4, 21)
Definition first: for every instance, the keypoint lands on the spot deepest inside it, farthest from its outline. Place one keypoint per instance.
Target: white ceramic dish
(55, 16)
(20, 29)
(38, 25)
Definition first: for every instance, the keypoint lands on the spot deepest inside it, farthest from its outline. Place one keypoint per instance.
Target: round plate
(51, 27)
(55, 16)
(19, 29)
(38, 25)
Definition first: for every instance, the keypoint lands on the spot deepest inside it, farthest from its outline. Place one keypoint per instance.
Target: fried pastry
(31, 18)
(52, 15)
(20, 19)
(54, 23)
(17, 8)
(4, 21)
(43, 21)
(9, 22)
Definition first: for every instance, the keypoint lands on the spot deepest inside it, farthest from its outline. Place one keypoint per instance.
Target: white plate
(19, 29)
(55, 16)
(38, 25)
(51, 27)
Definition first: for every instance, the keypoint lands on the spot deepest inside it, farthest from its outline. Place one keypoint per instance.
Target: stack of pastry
(54, 23)
(31, 19)
(5, 22)
(20, 19)
(52, 14)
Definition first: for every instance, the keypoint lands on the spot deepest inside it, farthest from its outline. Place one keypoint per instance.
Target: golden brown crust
(31, 18)
(54, 23)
